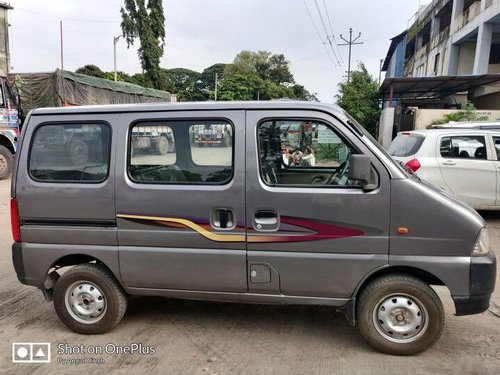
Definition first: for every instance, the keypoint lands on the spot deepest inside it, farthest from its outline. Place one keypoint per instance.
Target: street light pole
(115, 39)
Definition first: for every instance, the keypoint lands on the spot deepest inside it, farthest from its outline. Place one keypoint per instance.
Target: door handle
(449, 162)
(222, 218)
(266, 220)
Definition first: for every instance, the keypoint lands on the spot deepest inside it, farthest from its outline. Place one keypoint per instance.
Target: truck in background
(212, 135)
(9, 126)
(157, 139)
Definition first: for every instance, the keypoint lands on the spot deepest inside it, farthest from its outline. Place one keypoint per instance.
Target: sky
(200, 33)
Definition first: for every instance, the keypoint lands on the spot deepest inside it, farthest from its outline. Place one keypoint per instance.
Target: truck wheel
(6, 162)
(162, 145)
(89, 300)
(78, 152)
(399, 314)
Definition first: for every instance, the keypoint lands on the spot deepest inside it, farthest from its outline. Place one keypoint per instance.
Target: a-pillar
(483, 49)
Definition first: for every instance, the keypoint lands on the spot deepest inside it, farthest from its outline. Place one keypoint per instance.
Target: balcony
(468, 15)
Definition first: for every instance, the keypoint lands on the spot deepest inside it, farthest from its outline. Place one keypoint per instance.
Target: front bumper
(482, 284)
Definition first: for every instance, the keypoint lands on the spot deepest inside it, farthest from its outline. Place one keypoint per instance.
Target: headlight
(482, 245)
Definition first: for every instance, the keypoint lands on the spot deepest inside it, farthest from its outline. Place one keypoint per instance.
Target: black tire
(78, 152)
(113, 295)
(162, 145)
(6, 162)
(407, 298)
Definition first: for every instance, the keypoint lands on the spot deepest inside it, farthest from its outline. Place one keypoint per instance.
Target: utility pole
(62, 63)
(115, 39)
(350, 43)
(216, 84)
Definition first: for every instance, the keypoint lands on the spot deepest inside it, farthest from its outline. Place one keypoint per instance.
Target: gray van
(301, 206)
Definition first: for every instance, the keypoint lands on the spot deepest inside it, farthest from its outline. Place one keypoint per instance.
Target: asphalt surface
(191, 337)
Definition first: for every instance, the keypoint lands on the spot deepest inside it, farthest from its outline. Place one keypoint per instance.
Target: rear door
(468, 168)
(181, 214)
(311, 231)
(496, 156)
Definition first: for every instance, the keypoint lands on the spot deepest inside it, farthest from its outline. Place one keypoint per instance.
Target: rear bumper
(17, 260)
(482, 284)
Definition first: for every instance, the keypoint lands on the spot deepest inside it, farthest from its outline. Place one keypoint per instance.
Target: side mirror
(360, 170)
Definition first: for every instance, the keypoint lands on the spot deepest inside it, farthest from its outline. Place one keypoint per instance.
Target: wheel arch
(7, 143)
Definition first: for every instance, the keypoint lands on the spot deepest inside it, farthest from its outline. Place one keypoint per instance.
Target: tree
(206, 81)
(263, 64)
(180, 79)
(360, 97)
(146, 22)
(91, 70)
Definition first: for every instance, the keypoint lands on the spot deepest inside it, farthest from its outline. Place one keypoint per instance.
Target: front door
(311, 230)
(180, 201)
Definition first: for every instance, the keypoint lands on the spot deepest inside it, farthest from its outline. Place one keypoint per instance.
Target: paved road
(216, 338)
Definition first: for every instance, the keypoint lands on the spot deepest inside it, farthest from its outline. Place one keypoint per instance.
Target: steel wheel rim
(85, 302)
(400, 318)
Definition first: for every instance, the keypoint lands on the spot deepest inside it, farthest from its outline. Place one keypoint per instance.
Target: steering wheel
(339, 173)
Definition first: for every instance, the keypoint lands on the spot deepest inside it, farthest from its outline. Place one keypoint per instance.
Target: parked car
(238, 223)
(465, 162)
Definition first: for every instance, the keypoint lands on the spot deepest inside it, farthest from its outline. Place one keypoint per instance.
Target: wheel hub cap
(400, 318)
(85, 302)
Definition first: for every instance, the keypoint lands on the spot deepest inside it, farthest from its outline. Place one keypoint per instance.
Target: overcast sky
(200, 33)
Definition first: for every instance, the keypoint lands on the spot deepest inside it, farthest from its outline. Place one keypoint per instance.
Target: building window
(495, 54)
(181, 152)
(420, 71)
(436, 63)
(70, 153)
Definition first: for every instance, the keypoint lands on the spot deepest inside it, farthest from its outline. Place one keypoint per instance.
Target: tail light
(14, 220)
(413, 164)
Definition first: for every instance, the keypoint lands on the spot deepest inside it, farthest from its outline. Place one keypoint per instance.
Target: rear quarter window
(70, 152)
(405, 145)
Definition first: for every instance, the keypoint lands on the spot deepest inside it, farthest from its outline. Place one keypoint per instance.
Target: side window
(496, 141)
(463, 147)
(181, 152)
(70, 153)
(294, 152)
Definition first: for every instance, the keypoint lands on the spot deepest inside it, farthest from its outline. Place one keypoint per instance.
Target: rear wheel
(6, 162)
(89, 300)
(78, 152)
(400, 314)
(162, 145)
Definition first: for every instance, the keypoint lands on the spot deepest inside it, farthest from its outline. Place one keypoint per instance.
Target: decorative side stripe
(189, 224)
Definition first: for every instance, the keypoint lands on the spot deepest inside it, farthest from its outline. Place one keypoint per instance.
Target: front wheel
(400, 314)
(89, 300)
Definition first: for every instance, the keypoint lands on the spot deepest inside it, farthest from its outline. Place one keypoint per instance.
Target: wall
(466, 58)
(424, 117)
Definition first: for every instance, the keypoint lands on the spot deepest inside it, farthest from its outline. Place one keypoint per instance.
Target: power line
(321, 38)
(331, 29)
(328, 37)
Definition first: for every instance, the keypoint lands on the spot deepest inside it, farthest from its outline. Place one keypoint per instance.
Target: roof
(193, 106)
(120, 86)
(433, 87)
(5, 5)
(425, 132)
(394, 43)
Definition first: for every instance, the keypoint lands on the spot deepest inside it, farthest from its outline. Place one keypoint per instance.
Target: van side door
(180, 204)
(311, 231)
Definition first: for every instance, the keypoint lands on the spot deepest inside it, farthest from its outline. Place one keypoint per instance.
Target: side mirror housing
(360, 170)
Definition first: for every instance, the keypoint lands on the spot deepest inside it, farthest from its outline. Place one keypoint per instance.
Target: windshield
(405, 145)
(375, 143)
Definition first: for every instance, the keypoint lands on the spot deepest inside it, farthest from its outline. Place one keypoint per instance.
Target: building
(449, 54)
(4, 39)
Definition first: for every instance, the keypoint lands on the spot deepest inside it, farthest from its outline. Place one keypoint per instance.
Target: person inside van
(286, 156)
(308, 159)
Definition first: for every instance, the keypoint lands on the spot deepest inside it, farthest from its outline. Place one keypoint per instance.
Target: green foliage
(360, 98)
(468, 113)
(147, 23)
(91, 70)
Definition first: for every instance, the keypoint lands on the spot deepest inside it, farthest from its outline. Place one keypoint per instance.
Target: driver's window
(303, 152)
